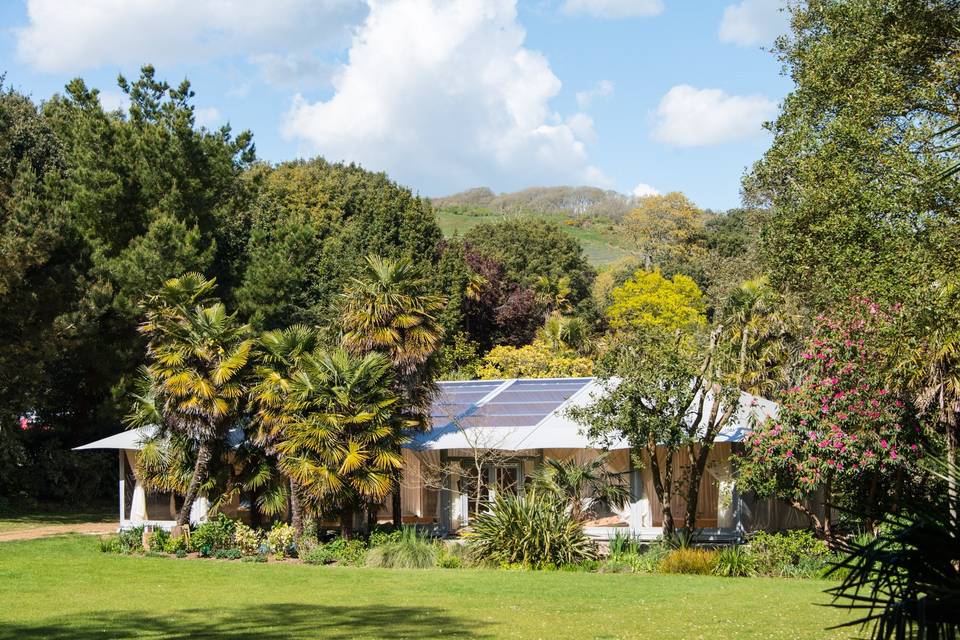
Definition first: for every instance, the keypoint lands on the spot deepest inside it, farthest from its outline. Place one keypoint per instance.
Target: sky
(639, 96)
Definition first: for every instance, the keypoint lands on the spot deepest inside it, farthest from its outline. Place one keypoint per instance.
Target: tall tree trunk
(296, 507)
(664, 489)
(346, 522)
(396, 507)
(199, 475)
(693, 489)
(827, 499)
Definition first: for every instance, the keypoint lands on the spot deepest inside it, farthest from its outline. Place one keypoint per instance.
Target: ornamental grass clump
(735, 562)
(689, 561)
(532, 530)
(411, 550)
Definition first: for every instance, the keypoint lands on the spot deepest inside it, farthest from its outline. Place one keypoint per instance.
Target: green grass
(55, 516)
(64, 588)
(602, 246)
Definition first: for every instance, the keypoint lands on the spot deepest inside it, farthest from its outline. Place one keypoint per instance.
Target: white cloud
(691, 117)
(753, 22)
(445, 96)
(69, 36)
(114, 100)
(613, 9)
(643, 190)
(603, 89)
(206, 116)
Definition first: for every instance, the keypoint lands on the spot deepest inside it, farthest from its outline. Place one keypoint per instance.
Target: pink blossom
(884, 444)
(789, 453)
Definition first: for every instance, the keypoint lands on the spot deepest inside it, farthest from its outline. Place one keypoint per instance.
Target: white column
(123, 486)
(198, 512)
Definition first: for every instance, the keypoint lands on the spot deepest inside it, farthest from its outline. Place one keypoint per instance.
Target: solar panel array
(499, 403)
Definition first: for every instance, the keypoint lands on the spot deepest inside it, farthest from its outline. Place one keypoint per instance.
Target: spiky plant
(905, 582)
(533, 530)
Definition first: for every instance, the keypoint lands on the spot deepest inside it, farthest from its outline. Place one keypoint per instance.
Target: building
(488, 436)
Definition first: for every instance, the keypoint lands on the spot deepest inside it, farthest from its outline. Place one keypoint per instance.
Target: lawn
(64, 588)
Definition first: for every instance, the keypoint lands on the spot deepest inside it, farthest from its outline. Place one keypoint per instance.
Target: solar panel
(522, 403)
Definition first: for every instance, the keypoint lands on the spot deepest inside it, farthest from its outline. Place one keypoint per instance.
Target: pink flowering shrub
(841, 428)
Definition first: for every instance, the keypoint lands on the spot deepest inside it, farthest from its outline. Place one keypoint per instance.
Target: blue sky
(443, 95)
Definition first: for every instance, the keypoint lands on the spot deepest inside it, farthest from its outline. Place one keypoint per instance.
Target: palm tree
(563, 333)
(554, 294)
(388, 310)
(582, 484)
(197, 355)
(279, 354)
(929, 363)
(758, 325)
(342, 447)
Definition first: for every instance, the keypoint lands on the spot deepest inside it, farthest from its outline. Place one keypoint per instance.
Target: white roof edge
(132, 439)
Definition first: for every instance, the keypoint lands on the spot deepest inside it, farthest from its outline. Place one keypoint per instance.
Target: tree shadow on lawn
(266, 622)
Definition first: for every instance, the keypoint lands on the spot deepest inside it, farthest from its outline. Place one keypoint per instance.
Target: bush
(128, 541)
(792, 554)
(281, 539)
(735, 562)
(690, 561)
(247, 539)
(532, 530)
(181, 553)
(347, 552)
(453, 556)
(410, 551)
(213, 535)
(159, 539)
(176, 545)
(382, 535)
(227, 554)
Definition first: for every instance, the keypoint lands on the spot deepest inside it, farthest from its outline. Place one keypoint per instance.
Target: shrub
(531, 530)
(382, 535)
(453, 556)
(689, 560)
(281, 539)
(176, 545)
(159, 539)
(348, 552)
(795, 553)
(181, 553)
(735, 562)
(212, 535)
(128, 541)
(227, 554)
(156, 554)
(247, 539)
(410, 551)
